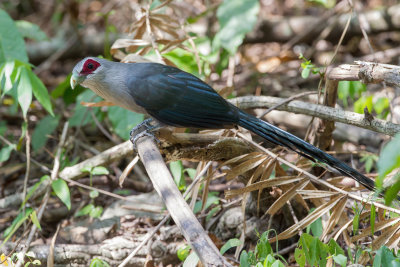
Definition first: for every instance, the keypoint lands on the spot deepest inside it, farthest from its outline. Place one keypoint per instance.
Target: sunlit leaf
(40, 92)
(85, 210)
(191, 260)
(96, 262)
(24, 91)
(17, 222)
(12, 45)
(362, 102)
(94, 194)
(99, 170)
(61, 189)
(236, 18)
(35, 220)
(183, 252)
(96, 212)
(389, 159)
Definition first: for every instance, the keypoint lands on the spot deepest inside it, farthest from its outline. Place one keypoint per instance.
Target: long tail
(285, 139)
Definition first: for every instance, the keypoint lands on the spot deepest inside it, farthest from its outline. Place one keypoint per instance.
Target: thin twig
(28, 165)
(54, 175)
(101, 128)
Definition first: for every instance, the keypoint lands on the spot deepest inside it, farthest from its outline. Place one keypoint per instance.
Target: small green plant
(263, 255)
(22, 216)
(96, 262)
(308, 68)
(389, 160)
(90, 209)
(350, 90)
(313, 252)
(369, 160)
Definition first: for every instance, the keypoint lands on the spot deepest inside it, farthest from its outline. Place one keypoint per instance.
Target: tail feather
(285, 139)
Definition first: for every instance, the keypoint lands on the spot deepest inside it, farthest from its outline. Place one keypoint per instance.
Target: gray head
(87, 70)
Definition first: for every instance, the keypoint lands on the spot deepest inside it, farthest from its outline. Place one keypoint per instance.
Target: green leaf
(85, 210)
(372, 219)
(176, 168)
(12, 45)
(350, 89)
(96, 212)
(99, 170)
(340, 259)
(61, 189)
(392, 191)
(263, 247)
(305, 72)
(96, 262)
(381, 104)
(35, 220)
(183, 252)
(5, 76)
(183, 60)
(191, 172)
(389, 159)
(236, 18)
(17, 222)
(40, 92)
(384, 256)
(231, 243)
(300, 257)
(5, 152)
(334, 248)
(362, 102)
(43, 129)
(61, 88)
(316, 227)
(24, 90)
(81, 114)
(244, 259)
(30, 30)
(33, 190)
(191, 260)
(123, 120)
(212, 198)
(94, 194)
(87, 169)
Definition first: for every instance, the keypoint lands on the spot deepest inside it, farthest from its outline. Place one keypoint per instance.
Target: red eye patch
(89, 66)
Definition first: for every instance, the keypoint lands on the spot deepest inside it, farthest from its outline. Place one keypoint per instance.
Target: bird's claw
(144, 128)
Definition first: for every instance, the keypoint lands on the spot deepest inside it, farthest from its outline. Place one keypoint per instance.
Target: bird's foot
(145, 128)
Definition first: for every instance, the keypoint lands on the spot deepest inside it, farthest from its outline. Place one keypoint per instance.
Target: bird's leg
(144, 128)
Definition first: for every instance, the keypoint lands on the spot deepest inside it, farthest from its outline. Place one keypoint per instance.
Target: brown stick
(320, 111)
(176, 205)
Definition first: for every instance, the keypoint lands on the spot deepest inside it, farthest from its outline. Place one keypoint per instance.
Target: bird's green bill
(75, 80)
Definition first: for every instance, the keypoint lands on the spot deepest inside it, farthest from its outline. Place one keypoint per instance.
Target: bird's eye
(90, 66)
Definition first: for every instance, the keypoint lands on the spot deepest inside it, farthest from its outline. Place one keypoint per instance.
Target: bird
(177, 98)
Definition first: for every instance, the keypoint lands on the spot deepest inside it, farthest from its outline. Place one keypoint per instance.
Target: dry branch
(282, 29)
(366, 72)
(319, 111)
(112, 251)
(176, 205)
